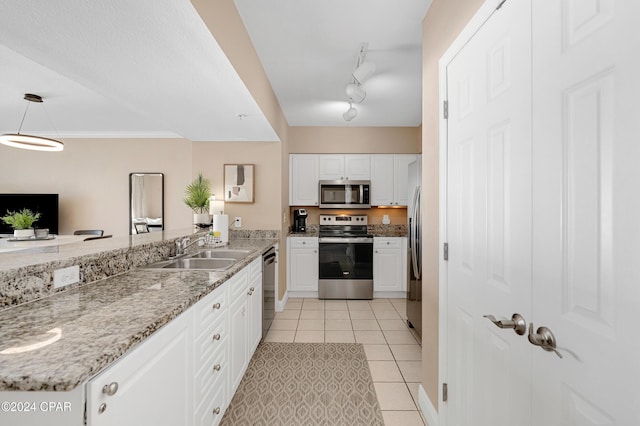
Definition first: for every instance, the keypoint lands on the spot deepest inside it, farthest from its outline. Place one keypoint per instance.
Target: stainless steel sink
(194, 263)
(220, 254)
(207, 260)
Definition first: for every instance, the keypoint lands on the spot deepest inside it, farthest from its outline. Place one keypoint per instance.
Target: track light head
(355, 93)
(350, 114)
(364, 71)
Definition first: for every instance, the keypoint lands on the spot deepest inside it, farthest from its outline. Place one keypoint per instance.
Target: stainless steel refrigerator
(414, 267)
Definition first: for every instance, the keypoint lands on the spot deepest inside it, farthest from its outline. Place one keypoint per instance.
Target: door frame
(486, 10)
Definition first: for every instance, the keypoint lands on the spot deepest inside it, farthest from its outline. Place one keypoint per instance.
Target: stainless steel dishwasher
(269, 264)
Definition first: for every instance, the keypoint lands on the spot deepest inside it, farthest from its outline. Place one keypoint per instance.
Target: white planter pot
(201, 218)
(23, 233)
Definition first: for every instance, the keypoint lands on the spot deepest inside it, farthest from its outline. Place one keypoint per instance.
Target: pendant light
(35, 143)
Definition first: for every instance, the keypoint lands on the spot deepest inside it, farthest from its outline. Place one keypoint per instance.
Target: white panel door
(586, 247)
(489, 221)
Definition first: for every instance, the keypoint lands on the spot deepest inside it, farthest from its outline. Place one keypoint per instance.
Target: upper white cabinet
(388, 174)
(303, 182)
(344, 167)
(389, 178)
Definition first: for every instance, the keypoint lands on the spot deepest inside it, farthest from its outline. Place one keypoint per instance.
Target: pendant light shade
(34, 143)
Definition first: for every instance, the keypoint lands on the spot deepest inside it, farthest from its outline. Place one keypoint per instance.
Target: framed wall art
(239, 183)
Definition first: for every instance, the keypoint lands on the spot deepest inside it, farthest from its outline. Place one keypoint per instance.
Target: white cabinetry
(344, 167)
(211, 356)
(151, 385)
(302, 261)
(303, 182)
(186, 372)
(245, 319)
(389, 178)
(389, 267)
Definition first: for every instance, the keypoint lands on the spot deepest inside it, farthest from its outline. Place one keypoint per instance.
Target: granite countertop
(96, 323)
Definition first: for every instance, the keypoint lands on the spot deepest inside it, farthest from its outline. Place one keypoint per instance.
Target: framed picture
(239, 181)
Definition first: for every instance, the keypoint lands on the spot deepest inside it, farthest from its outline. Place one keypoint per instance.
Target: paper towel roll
(221, 224)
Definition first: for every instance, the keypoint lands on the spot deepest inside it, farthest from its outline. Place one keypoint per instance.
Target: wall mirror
(146, 202)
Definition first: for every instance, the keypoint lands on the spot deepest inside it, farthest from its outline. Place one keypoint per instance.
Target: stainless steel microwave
(345, 194)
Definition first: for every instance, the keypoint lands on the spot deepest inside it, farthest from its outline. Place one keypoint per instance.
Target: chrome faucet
(183, 244)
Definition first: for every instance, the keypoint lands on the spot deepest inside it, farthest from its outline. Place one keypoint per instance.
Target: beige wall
(210, 158)
(347, 140)
(444, 21)
(92, 178)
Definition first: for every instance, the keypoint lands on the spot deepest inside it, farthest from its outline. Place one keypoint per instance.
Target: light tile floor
(394, 355)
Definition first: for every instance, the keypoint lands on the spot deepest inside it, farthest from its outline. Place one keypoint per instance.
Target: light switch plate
(66, 276)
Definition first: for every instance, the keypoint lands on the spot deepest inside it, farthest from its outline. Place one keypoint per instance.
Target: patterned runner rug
(306, 384)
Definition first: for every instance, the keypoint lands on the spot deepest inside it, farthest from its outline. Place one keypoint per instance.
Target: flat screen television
(45, 204)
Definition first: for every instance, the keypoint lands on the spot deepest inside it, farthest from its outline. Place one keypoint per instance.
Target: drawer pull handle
(110, 389)
(216, 336)
(102, 408)
(216, 367)
(216, 410)
(216, 306)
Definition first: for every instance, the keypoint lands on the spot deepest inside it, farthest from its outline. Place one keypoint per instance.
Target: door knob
(517, 323)
(544, 338)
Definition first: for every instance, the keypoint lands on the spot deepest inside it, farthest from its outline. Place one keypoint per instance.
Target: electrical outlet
(66, 276)
(237, 222)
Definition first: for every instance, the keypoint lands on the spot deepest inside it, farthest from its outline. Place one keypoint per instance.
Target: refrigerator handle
(415, 228)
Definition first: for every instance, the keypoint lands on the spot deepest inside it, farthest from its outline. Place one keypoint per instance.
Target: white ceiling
(150, 68)
(309, 49)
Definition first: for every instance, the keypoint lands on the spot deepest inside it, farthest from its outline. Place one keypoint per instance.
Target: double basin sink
(208, 260)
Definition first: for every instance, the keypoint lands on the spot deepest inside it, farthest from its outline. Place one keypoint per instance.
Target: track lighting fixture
(35, 143)
(351, 113)
(355, 91)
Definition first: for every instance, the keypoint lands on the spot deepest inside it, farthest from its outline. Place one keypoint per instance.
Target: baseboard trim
(426, 407)
(303, 294)
(389, 294)
(280, 304)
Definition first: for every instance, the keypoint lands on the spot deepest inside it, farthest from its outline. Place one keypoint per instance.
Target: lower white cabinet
(151, 385)
(245, 321)
(302, 261)
(389, 266)
(185, 373)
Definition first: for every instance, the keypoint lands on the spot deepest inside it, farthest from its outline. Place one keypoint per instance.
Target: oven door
(345, 268)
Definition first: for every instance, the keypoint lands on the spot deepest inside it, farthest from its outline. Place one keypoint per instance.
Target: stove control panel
(343, 219)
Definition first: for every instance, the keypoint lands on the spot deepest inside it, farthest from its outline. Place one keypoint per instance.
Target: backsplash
(27, 283)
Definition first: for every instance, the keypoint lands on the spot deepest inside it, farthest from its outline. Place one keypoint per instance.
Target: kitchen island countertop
(75, 334)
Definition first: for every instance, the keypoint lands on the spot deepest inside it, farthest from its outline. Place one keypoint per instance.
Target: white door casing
(489, 226)
(583, 221)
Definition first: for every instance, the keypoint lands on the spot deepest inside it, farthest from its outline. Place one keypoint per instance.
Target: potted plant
(21, 222)
(197, 197)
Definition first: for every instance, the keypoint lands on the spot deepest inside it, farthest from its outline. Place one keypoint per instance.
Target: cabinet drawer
(255, 269)
(213, 373)
(238, 285)
(382, 243)
(208, 340)
(210, 308)
(303, 242)
(212, 408)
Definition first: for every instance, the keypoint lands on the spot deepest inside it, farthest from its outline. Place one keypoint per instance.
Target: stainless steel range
(346, 258)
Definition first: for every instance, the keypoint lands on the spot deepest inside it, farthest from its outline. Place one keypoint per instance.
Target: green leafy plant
(23, 219)
(198, 193)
